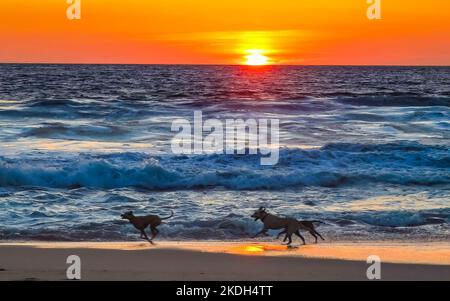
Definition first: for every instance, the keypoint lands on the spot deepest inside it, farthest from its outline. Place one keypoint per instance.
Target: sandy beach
(223, 261)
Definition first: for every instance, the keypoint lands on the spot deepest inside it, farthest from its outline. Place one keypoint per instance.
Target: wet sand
(223, 261)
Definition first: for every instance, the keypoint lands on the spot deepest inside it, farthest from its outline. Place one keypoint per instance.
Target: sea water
(364, 149)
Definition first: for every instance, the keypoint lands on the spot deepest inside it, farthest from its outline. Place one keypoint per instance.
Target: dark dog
(142, 222)
(305, 225)
(289, 225)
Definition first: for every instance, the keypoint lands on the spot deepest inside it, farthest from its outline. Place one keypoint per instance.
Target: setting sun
(256, 58)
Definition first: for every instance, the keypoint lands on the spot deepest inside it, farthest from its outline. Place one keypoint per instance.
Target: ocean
(363, 149)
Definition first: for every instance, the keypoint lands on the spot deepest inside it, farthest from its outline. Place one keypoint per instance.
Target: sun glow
(256, 249)
(256, 58)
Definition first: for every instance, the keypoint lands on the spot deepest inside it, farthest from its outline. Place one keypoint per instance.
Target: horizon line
(235, 65)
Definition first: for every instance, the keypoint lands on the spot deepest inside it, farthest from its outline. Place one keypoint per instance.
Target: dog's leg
(263, 231)
(314, 235)
(319, 235)
(281, 233)
(301, 237)
(290, 239)
(146, 237)
(154, 232)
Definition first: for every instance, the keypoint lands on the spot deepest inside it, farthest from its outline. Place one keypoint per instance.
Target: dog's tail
(171, 215)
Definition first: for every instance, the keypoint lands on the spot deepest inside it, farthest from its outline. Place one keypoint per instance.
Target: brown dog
(305, 225)
(289, 225)
(142, 222)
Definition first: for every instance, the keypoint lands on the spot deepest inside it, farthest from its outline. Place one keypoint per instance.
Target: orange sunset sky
(225, 32)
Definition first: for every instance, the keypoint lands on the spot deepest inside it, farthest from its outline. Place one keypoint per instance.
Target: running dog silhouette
(289, 225)
(142, 222)
(307, 226)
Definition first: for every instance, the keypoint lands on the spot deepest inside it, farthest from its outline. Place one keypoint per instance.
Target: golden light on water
(258, 249)
(253, 249)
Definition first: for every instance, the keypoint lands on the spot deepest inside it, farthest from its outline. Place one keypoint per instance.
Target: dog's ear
(262, 208)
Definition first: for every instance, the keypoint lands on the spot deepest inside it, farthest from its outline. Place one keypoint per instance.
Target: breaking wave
(333, 165)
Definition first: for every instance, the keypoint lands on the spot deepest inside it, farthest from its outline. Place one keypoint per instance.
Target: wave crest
(333, 165)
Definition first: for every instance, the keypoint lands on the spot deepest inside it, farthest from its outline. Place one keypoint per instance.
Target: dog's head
(127, 215)
(259, 214)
